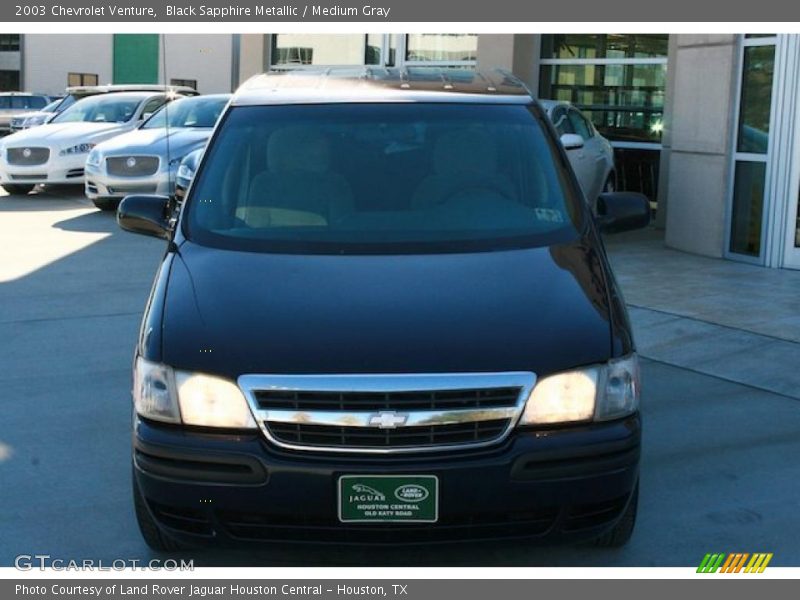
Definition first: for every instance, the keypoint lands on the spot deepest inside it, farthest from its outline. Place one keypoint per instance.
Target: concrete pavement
(719, 455)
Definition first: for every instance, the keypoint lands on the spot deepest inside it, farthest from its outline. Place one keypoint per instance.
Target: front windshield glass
(101, 109)
(52, 106)
(372, 178)
(188, 112)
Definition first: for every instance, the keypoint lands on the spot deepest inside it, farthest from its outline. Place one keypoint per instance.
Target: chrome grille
(373, 437)
(132, 189)
(387, 413)
(27, 156)
(131, 166)
(361, 401)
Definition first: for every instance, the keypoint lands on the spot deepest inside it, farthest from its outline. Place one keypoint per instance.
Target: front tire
(148, 527)
(107, 204)
(623, 530)
(18, 189)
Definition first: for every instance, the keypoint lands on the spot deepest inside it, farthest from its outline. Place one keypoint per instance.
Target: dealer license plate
(388, 498)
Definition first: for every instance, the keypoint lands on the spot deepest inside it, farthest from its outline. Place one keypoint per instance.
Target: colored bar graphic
(741, 562)
(703, 563)
(734, 562)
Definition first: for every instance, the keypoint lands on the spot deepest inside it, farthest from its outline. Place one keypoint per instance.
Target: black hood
(540, 309)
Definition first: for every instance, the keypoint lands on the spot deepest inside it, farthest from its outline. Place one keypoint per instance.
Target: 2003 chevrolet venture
(385, 315)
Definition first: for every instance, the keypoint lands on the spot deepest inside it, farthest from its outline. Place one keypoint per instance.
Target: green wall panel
(136, 58)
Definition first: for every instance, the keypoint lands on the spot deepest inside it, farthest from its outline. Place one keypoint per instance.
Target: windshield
(101, 109)
(188, 112)
(339, 178)
(52, 106)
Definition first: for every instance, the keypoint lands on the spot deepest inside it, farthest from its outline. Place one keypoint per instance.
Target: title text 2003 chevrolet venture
(385, 315)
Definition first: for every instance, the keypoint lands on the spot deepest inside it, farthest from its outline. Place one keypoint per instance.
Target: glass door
(791, 259)
(789, 229)
(751, 150)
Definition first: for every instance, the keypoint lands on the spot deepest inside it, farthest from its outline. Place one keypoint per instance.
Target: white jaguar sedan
(55, 153)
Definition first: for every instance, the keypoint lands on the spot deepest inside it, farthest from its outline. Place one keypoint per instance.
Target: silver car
(146, 160)
(13, 104)
(589, 153)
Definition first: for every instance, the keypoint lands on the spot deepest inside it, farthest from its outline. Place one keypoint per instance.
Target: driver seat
(463, 159)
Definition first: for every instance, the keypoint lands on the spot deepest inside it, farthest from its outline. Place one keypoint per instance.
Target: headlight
(77, 149)
(34, 121)
(599, 393)
(162, 394)
(212, 402)
(621, 389)
(154, 394)
(185, 172)
(93, 159)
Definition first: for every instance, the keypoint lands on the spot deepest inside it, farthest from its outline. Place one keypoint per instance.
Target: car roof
(206, 97)
(130, 95)
(24, 94)
(381, 84)
(90, 90)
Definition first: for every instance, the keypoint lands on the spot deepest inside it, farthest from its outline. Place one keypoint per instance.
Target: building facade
(707, 126)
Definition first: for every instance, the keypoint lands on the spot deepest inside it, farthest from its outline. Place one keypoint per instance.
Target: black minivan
(385, 315)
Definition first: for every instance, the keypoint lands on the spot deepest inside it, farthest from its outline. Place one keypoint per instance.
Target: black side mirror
(146, 214)
(622, 211)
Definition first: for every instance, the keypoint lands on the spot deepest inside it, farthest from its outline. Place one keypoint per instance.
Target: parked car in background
(589, 153)
(13, 104)
(75, 93)
(34, 118)
(56, 152)
(385, 316)
(146, 160)
(186, 171)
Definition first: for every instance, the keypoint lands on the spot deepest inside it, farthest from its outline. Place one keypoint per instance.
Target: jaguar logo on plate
(26, 153)
(131, 162)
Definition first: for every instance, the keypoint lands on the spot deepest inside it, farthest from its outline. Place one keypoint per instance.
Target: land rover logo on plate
(131, 162)
(26, 153)
(388, 419)
(411, 493)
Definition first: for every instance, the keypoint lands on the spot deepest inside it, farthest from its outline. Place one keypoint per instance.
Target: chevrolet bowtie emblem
(387, 420)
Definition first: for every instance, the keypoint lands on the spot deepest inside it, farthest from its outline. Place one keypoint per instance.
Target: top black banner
(385, 11)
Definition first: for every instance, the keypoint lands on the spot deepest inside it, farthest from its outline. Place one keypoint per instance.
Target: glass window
(573, 45)
(381, 177)
(756, 99)
(748, 203)
(152, 106)
(202, 111)
(797, 227)
(374, 49)
(9, 80)
(74, 79)
(625, 102)
(9, 42)
(562, 122)
(294, 49)
(114, 108)
(442, 47)
(5, 102)
(191, 83)
(580, 125)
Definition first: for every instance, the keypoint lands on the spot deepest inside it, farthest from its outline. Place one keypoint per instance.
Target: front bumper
(564, 484)
(57, 170)
(100, 184)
